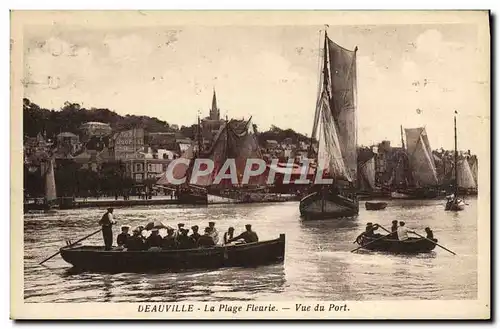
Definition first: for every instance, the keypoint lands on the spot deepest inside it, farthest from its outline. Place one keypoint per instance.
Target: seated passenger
(228, 235)
(121, 239)
(195, 236)
(154, 240)
(136, 241)
(168, 241)
(206, 241)
(183, 240)
(249, 235)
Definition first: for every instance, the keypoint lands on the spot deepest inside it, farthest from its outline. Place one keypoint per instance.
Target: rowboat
(375, 205)
(95, 258)
(410, 246)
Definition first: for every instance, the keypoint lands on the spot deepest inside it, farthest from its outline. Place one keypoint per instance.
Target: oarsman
(154, 240)
(228, 235)
(213, 232)
(394, 229)
(122, 238)
(430, 234)
(206, 241)
(195, 236)
(107, 223)
(403, 231)
(249, 235)
(168, 241)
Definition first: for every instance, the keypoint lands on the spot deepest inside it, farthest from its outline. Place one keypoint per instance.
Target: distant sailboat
(335, 119)
(454, 202)
(49, 200)
(421, 179)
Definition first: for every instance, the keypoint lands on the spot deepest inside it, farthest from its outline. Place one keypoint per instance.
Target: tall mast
(199, 138)
(456, 154)
(402, 139)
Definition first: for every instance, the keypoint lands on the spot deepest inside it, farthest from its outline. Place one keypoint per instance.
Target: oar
(385, 236)
(57, 253)
(434, 243)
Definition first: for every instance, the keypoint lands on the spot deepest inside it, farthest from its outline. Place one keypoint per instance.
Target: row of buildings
(146, 155)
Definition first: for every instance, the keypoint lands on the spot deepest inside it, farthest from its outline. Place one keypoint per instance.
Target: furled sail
(50, 182)
(337, 113)
(421, 157)
(235, 140)
(465, 179)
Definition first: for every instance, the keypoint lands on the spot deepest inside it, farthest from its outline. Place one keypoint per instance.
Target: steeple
(214, 111)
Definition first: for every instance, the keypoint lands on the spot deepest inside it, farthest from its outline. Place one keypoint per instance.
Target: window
(138, 167)
(150, 168)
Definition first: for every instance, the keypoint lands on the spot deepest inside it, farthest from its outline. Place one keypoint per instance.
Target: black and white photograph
(250, 164)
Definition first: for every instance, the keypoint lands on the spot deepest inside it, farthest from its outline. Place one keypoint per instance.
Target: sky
(409, 75)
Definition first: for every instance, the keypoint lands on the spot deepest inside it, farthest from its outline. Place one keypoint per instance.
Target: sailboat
(235, 140)
(420, 179)
(49, 201)
(454, 202)
(335, 118)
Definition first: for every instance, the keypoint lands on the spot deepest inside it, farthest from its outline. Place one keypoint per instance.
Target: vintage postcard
(250, 165)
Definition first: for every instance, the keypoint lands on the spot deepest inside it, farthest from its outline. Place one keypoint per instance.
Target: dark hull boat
(316, 206)
(410, 246)
(243, 255)
(375, 205)
(335, 121)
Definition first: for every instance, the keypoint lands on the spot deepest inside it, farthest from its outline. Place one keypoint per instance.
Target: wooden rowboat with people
(397, 240)
(411, 245)
(175, 251)
(239, 255)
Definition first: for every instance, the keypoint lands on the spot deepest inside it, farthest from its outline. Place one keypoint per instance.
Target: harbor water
(318, 262)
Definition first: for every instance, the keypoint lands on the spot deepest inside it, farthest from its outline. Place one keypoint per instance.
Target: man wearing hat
(213, 232)
(195, 236)
(122, 238)
(168, 241)
(136, 241)
(154, 240)
(228, 235)
(249, 235)
(394, 229)
(178, 232)
(206, 241)
(107, 223)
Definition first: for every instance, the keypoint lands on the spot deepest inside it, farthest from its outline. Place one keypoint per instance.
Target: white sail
(50, 182)
(368, 173)
(421, 158)
(336, 113)
(465, 178)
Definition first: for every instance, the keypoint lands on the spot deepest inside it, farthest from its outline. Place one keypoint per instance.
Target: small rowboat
(375, 205)
(410, 246)
(241, 255)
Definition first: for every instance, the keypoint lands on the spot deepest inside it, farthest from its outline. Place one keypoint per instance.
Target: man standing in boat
(107, 223)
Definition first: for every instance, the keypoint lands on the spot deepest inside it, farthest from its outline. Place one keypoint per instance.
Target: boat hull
(375, 205)
(410, 246)
(95, 258)
(331, 206)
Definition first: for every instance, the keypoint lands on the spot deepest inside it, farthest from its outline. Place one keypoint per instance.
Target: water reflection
(318, 262)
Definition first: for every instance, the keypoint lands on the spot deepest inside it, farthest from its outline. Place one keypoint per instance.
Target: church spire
(214, 111)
